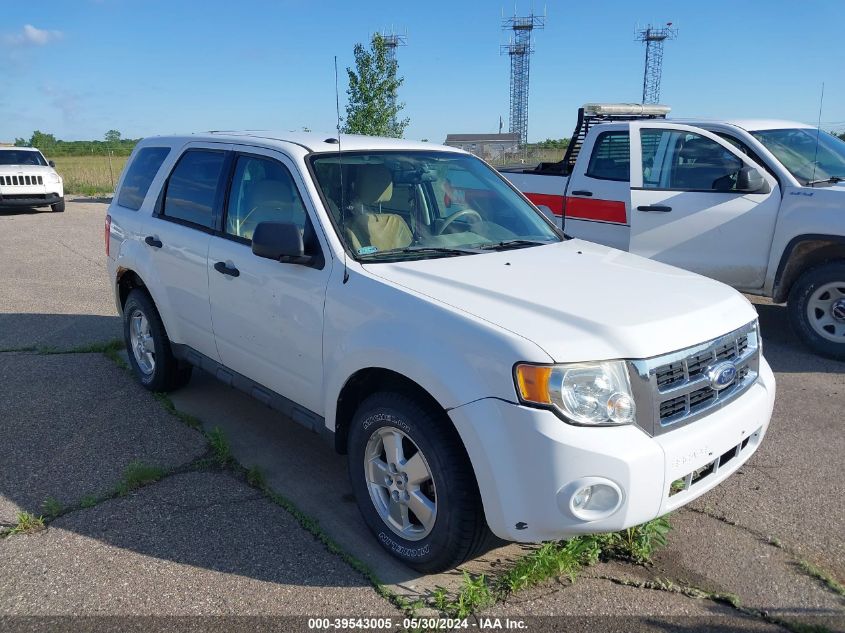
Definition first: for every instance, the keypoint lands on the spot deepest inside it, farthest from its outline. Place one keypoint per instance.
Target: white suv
(480, 369)
(28, 180)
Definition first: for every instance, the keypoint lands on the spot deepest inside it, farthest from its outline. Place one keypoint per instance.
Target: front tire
(817, 309)
(150, 354)
(58, 207)
(414, 484)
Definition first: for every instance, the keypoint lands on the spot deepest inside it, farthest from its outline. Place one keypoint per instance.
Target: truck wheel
(149, 349)
(414, 484)
(817, 309)
(59, 207)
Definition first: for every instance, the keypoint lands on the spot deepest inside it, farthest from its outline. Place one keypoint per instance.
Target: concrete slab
(792, 488)
(70, 425)
(304, 468)
(192, 544)
(54, 290)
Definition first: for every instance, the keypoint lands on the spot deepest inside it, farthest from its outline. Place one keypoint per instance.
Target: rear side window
(192, 187)
(611, 157)
(140, 176)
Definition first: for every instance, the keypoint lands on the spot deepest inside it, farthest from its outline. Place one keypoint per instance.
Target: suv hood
(26, 170)
(580, 301)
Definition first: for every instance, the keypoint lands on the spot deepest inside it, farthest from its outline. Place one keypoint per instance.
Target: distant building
(488, 146)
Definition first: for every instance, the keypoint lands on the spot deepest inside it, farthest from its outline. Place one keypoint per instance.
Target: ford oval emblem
(721, 375)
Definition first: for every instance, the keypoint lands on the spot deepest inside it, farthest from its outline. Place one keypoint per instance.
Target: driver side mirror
(281, 241)
(52, 163)
(750, 180)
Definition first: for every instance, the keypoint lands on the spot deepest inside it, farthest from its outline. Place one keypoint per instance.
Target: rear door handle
(223, 268)
(655, 207)
(582, 193)
(153, 241)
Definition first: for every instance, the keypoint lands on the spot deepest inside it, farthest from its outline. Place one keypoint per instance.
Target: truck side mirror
(281, 241)
(750, 180)
(52, 163)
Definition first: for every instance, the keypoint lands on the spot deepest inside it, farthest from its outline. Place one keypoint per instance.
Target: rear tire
(430, 473)
(816, 307)
(59, 207)
(150, 354)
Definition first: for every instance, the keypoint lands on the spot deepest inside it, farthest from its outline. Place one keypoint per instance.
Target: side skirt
(269, 398)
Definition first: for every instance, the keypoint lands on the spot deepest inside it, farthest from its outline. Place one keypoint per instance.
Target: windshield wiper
(832, 180)
(420, 250)
(508, 244)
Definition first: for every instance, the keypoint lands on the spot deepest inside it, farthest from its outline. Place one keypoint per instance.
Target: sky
(77, 68)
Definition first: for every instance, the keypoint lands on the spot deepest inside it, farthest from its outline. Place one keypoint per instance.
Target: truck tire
(150, 354)
(816, 307)
(59, 207)
(414, 484)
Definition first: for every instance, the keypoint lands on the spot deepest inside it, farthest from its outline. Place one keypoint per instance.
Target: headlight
(582, 393)
(56, 177)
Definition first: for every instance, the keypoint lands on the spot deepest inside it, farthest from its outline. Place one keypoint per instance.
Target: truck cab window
(611, 157)
(677, 159)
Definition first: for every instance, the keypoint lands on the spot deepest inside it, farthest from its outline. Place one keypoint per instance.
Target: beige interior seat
(368, 226)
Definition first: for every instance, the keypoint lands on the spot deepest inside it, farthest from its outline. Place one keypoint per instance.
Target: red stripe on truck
(555, 203)
(601, 210)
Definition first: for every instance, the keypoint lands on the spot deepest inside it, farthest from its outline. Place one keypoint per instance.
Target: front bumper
(28, 200)
(526, 462)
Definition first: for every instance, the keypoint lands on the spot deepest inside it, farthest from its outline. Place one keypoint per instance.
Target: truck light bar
(626, 109)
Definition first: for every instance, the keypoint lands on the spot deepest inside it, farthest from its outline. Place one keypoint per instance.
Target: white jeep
(28, 180)
(482, 371)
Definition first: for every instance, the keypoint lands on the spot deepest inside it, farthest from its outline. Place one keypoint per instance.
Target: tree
(41, 140)
(841, 135)
(21, 142)
(113, 137)
(372, 105)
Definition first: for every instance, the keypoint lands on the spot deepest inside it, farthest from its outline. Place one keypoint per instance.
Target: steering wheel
(463, 213)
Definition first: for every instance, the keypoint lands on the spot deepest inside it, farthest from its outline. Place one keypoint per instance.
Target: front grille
(674, 389)
(21, 181)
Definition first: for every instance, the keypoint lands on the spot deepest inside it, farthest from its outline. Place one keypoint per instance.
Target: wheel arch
(366, 381)
(802, 253)
(126, 281)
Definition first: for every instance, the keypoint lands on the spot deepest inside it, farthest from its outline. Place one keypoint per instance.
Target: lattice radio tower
(654, 38)
(393, 41)
(519, 49)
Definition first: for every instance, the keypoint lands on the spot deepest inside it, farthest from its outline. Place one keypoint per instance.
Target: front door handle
(582, 193)
(223, 268)
(655, 207)
(152, 241)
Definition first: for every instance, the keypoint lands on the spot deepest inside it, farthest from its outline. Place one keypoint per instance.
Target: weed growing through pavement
(27, 524)
(220, 446)
(825, 577)
(138, 474)
(52, 508)
(255, 477)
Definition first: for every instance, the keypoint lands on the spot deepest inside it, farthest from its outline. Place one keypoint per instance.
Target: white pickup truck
(757, 204)
(403, 300)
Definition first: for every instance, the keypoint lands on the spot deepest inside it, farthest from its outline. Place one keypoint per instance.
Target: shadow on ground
(59, 332)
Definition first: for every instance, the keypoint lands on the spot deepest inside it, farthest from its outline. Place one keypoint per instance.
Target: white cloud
(32, 36)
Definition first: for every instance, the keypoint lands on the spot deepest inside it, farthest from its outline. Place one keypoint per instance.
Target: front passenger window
(262, 191)
(677, 159)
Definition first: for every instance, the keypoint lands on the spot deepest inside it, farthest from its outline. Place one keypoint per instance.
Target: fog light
(590, 498)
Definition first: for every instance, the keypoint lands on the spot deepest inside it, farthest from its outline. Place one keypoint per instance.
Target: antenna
(654, 37)
(340, 164)
(818, 135)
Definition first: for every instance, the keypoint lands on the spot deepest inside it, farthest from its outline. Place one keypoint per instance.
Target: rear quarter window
(611, 157)
(140, 175)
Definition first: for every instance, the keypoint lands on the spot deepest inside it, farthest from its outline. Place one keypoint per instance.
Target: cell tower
(519, 49)
(393, 41)
(654, 38)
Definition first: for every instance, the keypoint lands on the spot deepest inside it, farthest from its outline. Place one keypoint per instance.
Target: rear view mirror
(281, 241)
(750, 180)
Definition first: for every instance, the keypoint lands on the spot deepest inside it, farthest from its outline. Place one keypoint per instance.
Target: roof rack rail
(591, 114)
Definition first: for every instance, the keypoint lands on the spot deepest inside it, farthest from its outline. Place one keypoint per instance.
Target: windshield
(415, 204)
(796, 150)
(21, 157)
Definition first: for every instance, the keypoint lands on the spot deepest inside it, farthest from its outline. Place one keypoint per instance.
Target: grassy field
(89, 175)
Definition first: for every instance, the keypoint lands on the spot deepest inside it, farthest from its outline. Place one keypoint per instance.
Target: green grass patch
(474, 594)
(52, 508)
(88, 501)
(255, 477)
(27, 524)
(138, 474)
(220, 446)
(823, 576)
